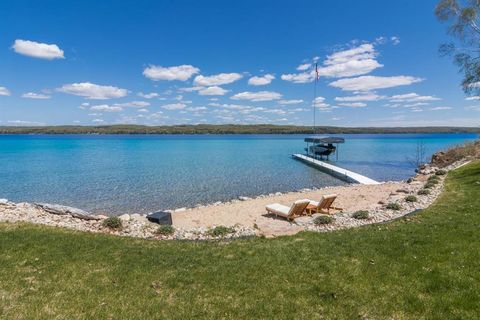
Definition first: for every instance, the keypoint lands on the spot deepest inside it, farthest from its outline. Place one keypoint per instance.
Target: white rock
(124, 217)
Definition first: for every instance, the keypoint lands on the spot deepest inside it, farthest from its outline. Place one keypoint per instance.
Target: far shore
(228, 129)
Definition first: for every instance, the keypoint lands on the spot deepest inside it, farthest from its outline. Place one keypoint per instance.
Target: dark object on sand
(160, 217)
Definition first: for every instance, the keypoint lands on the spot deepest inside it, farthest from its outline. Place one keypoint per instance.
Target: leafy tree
(462, 16)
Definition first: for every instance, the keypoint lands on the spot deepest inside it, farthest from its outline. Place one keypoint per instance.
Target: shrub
(393, 206)
(430, 185)
(441, 172)
(165, 230)
(424, 192)
(433, 178)
(112, 223)
(411, 198)
(361, 214)
(220, 231)
(323, 219)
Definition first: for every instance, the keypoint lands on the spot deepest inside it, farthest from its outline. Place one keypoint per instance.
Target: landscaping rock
(65, 210)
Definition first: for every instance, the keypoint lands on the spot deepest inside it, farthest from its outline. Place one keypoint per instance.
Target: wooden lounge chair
(289, 213)
(324, 205)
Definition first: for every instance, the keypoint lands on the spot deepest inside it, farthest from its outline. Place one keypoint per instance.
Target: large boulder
(65, 210)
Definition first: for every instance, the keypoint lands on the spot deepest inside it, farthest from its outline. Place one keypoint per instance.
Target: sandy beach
(251, 213)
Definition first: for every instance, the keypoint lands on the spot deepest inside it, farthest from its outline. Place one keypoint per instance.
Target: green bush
(430, 185)
(165, 230)
(441, 172)
(433, 178)
(423, 192)
(323, 219)
(113, 223)
(394, 206)
(221, 231)
(361, 214)
(411, 198)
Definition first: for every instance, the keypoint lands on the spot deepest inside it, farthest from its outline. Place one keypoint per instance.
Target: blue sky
(188, 62)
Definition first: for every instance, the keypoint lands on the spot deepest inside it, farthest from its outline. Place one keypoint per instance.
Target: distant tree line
(225, 129)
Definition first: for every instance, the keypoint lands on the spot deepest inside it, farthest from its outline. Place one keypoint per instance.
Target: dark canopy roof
(318, 139)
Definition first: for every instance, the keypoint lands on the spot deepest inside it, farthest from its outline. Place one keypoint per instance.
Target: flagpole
(315, 98)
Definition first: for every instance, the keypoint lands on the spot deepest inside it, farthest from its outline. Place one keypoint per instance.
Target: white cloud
(26, 123)
(412, 97)
(174, 106)
(93, 91)
(143, 110)
(181, 73)
(349, 68)
(148, 95)
(293, 101)
(440, 108)
(346, 63)
(106, 108)
(366, 83)
(474, 108)
(303, 77)
(217, 80)
(190, 89)
(132, 104)
(395, 40)
(319, 102)
(37, 50)
(304, 66)
(4, 91)
(416, 104)
(353, 104)
(472, 98)
(364, 51)
(361, 97)
(33, 95)
(257, 96)
(261, 81)
(212, 91)
(98, 120)
(196, 109)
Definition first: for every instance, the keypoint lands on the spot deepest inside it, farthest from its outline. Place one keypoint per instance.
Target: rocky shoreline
(137, 225)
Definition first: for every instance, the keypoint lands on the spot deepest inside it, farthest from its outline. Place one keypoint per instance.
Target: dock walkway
(338, 172)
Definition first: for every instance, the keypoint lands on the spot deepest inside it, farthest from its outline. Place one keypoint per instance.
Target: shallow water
(141, 173)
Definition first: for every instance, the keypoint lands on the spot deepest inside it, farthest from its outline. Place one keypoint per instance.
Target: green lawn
(423, 267)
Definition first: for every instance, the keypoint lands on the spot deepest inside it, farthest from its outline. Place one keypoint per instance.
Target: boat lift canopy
(320, 139)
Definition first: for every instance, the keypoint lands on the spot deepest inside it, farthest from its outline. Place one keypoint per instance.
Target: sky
(228, 62)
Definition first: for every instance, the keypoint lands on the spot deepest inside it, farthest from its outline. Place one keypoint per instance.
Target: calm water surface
(141, 173)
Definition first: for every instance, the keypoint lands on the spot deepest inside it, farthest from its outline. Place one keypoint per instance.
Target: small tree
(463, 17)
(419, 155)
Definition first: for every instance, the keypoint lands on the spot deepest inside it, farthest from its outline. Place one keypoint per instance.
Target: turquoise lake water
(141, 173)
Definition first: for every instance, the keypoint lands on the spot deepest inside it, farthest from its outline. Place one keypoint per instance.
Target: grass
(421, 267)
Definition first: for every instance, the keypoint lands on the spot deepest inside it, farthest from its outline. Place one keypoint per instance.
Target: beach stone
(3, 201)
(402, 191)
(124, 217)
(102, 216)
(65, 210)
(180, 210)
(244, 198)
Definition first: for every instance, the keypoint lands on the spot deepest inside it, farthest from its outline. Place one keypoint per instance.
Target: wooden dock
(338, 172)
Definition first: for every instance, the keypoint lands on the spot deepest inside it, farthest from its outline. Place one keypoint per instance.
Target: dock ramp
(338, 172)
